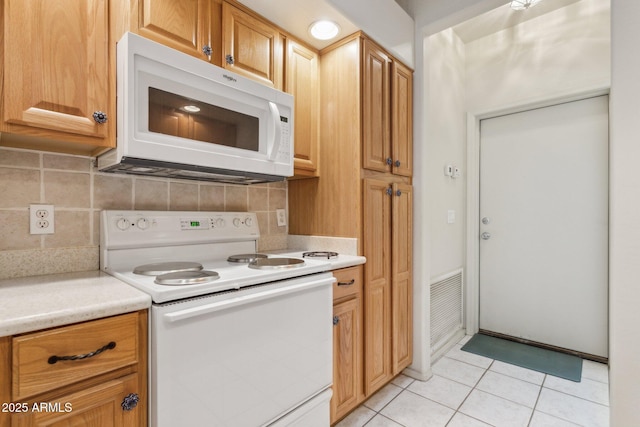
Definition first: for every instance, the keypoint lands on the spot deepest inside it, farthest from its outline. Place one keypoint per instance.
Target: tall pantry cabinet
(364, 191)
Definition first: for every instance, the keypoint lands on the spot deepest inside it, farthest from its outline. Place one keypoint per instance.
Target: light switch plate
(451, 216)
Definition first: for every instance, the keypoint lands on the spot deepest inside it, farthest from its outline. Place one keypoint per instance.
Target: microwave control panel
(284, 151)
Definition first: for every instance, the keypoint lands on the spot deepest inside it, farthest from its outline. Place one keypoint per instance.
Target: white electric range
(237, 338)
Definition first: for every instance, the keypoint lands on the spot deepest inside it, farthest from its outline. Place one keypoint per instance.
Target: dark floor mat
(538, 359)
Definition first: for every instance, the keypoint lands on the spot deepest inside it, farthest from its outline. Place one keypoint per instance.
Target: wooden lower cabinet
(105, 387)
(98, 406)
(388, 298)
(347, 342)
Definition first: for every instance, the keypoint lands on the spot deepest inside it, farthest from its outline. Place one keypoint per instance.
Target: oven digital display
(194, 224)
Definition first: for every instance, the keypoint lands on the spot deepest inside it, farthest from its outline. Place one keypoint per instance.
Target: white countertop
(40, 302)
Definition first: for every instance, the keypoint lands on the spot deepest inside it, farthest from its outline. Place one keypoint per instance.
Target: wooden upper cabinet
(376, 148)
(184, 25)
(302, 82)
(56, 74)
(251, 47)
(402, 119)
(387, 109)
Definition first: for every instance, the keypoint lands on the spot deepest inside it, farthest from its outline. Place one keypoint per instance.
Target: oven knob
(143, 223)
(248, 221)
(236, 222)
(123, 224)
(220, 223)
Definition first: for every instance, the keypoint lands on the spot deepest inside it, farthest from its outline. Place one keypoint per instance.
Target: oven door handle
(189, 313)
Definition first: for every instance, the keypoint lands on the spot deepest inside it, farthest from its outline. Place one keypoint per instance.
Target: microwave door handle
(275, 131)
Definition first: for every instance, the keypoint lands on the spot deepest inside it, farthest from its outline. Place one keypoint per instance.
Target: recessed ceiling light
(523, 4)
(191, 108)
(324, 30)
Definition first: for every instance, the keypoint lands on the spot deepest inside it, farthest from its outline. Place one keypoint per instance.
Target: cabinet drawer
(349, 282)
(35, 370)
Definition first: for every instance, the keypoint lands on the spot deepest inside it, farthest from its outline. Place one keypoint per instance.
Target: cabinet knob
(229, 59)
(100, 117)
(389, 161)
(336, 320)
(397, 163)
(130, 401)
(389, 192)
(398, 193)
(207, 50)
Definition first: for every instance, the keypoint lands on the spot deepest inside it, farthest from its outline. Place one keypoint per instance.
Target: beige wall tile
(263, 223)
(112, 192)
(277, 199)
(278, 184)
(66, 189)
(72, 228)
(27, 159)
(96, 230)
(235, 198)
(258, 199)
(183, 196)
(73, 163)
(14, 229)
(212, 197)
(151, 195)
(19, 187)
(273, 225)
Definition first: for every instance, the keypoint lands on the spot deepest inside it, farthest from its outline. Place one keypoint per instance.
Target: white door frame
(472, 261)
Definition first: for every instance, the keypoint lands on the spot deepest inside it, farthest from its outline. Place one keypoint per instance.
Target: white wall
(624, 284)
(444, 139)
(564, 51)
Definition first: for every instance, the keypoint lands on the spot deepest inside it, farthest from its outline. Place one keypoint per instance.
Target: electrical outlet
(41, 219)
(281, 214)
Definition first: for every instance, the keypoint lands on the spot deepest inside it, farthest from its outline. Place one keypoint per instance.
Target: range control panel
(139, 228)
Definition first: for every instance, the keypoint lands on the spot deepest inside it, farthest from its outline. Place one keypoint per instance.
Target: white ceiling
(295, 16)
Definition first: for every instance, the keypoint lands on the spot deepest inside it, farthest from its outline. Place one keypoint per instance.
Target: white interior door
(544, 209)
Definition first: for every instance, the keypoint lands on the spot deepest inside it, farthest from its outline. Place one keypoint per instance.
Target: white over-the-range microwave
(181, 117)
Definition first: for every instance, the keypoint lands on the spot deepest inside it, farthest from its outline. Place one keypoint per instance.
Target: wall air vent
(446, 309)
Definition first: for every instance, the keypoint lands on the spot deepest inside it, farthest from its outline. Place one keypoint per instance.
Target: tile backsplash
(78, 193)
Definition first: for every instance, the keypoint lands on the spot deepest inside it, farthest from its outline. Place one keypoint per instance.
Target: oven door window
(176, 115)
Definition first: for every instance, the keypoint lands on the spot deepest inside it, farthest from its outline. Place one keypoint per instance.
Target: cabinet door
(401, 281)
(346, 365)
(377, 289)
(251, 47)
(402, 119)
(56, 69)
(183, 25)
(376, 148)
(99, 406)
(302, 82)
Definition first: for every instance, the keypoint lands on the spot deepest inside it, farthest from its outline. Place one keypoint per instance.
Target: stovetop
(130, 239)
(232, 276)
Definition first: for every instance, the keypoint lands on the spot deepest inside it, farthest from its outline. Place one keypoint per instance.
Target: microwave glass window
(176, 115)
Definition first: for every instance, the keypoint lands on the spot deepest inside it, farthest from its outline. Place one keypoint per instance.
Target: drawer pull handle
(130, 401)
(110, 346)
(349, 283)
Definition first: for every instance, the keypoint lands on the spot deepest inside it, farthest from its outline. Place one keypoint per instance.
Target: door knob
(485, 236)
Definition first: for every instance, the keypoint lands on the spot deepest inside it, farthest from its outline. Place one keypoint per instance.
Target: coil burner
(320, 254)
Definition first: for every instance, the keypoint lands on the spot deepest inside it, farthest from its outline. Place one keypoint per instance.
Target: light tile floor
(468, 390)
